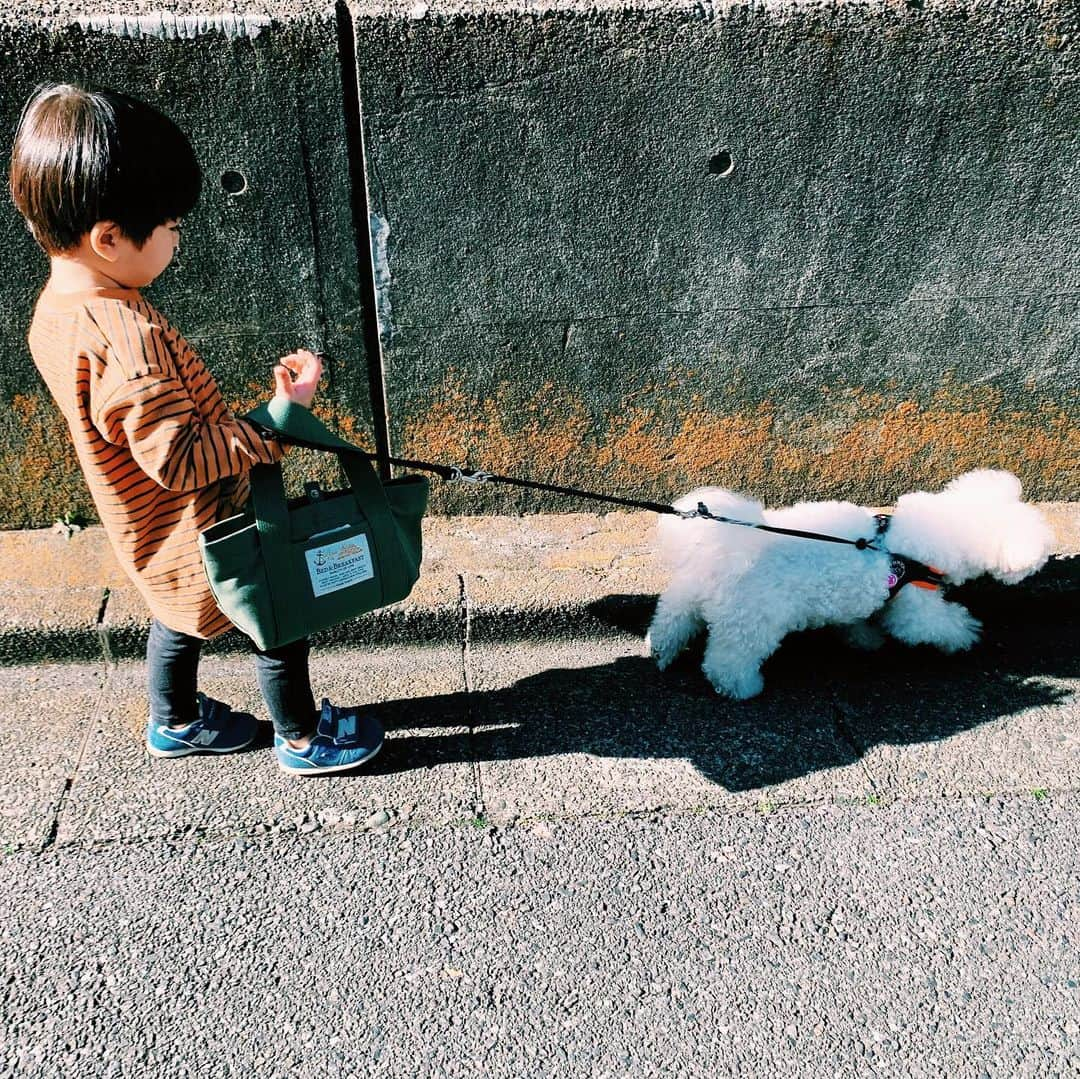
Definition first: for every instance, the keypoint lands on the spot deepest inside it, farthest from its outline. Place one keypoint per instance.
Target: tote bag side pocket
(407, 497)
(237, 576)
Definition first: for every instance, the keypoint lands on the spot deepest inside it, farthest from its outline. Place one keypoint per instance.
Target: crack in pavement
(848, 738)
(400, 825)
(467, 682)
(49, 839)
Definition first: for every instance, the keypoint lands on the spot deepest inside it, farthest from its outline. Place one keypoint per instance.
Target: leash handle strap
(295, 424)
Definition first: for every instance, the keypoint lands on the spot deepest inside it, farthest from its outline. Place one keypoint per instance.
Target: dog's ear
(987, 485)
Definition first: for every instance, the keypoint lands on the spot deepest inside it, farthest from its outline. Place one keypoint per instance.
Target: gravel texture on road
(915, 939)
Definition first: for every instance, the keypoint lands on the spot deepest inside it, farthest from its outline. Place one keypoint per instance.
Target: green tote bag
(290, 567)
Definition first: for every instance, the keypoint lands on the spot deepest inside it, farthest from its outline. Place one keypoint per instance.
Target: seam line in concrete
(196, 833)
(466, 633)
(54, 824)
(539, 318)
(467, 679)
(849, 739)
(316, 232)
(103, 631)
(69, 782)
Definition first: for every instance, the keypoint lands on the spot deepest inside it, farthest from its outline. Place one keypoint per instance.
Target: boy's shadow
(824, 704)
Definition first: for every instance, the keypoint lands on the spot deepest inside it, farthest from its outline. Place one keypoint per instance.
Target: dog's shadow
(824, 705)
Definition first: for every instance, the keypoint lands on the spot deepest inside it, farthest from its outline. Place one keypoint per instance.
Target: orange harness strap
(904, 571)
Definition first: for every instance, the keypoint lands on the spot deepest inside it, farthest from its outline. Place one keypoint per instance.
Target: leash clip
(475, 476)
(701, 511)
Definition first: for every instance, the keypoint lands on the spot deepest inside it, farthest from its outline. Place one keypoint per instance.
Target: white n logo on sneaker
(347, 727)
(203, 737)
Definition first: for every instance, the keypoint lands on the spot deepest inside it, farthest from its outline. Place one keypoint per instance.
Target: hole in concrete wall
(234, 182)
(721, 164)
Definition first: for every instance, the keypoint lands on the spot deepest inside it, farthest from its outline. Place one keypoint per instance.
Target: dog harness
(903, 570)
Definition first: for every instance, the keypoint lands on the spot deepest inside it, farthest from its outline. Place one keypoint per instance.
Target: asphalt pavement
(564, 862)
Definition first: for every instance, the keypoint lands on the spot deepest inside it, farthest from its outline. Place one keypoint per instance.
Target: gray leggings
(172, 665)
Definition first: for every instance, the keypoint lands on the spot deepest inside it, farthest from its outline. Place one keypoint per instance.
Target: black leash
(902, 570)
(478, 476)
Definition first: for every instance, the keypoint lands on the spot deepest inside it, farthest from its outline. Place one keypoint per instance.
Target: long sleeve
(144, 400)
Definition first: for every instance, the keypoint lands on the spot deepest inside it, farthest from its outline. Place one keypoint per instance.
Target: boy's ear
(105, 238)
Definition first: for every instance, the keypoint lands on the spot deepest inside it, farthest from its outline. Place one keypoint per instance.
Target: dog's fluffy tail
(684, 542)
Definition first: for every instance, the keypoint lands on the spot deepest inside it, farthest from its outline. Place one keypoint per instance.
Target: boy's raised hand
(296, 377)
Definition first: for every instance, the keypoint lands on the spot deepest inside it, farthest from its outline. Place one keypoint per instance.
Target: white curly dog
(751, 588)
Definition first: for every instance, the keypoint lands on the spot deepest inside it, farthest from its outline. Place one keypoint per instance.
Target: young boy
(103, 180)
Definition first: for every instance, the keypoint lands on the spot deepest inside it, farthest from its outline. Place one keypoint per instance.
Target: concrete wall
(260, 272)
(882, 290)
(798, 250)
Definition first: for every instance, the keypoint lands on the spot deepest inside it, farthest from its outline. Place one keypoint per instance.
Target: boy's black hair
(84, 156)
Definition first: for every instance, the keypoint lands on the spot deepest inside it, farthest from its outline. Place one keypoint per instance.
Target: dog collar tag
(895, 579)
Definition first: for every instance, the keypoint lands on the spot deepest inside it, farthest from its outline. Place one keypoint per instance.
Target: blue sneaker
(217, 730)
(344, 739)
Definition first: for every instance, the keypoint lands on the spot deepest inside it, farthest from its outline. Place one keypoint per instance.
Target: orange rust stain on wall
(961, 428)
(40, 480)
(543, 436)
(709, 445)
(438, 432)
(537, 437)
(725, 448)
(851, 443)
(634, 445)
(855, 444)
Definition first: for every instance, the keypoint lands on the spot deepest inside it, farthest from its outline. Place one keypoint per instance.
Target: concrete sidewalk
(495, 732)
(537, 577)
(563, 861)
(523, 643)
(498, 711)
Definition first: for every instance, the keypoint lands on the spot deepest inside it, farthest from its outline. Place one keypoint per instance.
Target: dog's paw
(925, 618)
(962, 635)
(664, 657)
(739, 687)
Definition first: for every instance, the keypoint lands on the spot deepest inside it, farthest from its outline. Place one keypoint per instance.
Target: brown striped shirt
(161, 454)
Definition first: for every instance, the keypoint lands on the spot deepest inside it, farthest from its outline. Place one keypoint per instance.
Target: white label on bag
(338, 565)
